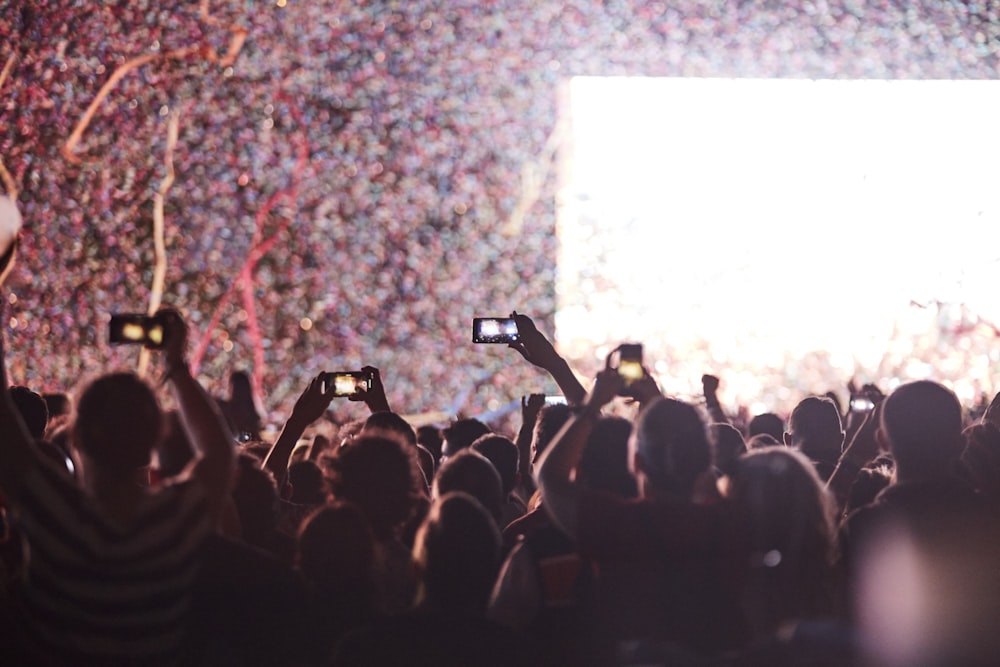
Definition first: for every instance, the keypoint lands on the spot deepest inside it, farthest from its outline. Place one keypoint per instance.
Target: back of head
(255, 495)
(34, 411)
(471, 473)
(791, 521)
(461, 434)
(308, 485)
(922, 422)
(118, 422)
(503, 454)
(550, 420)
(672, 446)
(729, 446)
(381, 422)
(457, 550)
(787, 502)
(768, 423)
(380, 475)
(336, 550)
(604, 464)
(430, 438)
(816, 430)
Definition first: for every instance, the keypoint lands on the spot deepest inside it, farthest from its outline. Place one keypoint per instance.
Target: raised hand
(313, 402)
(375, 397)
(532, 344)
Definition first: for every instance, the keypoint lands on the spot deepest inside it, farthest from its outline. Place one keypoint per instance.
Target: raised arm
(557, 479)
(537, 349)
(530, 407)
(308, 408)
(204, 424)
(710, 386)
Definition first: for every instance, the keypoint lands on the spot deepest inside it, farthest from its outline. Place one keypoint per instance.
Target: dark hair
(380, 475)
(430, 437)
(768, 423)
(118, 422)
(255, 495)
(462, 433)
(816, 428)
(550, 420)
(33, 409)
(308, 485)
(503, 454)
(390, 421)
(923, 422)
(729, 446)
(672, 446)
(58, 404)
(336, 550)
(604, 464)
(472, 473)
(458, 549)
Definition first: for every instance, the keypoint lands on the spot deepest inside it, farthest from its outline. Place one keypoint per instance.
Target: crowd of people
(424, 121)
(676, 535)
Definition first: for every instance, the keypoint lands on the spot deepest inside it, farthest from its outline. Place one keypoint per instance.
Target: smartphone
(862, 404)
(347, 383)
(555, 400)
(494, 330)
(630, 362)
(136, 329)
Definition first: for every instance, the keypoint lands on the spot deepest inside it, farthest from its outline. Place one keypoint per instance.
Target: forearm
(205, 426)
(557, 470)
(277, 459)
(568, 383)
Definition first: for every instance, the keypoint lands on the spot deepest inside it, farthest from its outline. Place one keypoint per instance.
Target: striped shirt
(97, 591)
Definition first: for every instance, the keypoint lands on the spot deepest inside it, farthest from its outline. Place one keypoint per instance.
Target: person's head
(58, 404)
(762, 440)
(380, 475)
(791, 519)
(34, 411)
(379, 423)
(457, 554)
(503, 454)
(550, 420)
(768, 423)
(472, 473)
(429, 437)
(335, 550)
(308, 485)
(981, 459)
(604, 464)
(670, 449)
(815, 429)
(921, 425)
(118, 423)
(255, 496)
(729, 446)
(461, 434)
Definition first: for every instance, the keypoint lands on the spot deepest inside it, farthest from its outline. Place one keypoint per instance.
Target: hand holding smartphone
(494, 330)
(349, 384)
(137, 329)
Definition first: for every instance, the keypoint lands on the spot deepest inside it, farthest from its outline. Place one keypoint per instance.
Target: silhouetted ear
(787, 438)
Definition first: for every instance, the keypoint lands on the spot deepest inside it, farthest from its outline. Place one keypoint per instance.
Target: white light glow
(751, 224)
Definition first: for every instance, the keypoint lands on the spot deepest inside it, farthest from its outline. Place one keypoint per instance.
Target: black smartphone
(137, 329)
(347, 383)
(630, 362)
(494, 330)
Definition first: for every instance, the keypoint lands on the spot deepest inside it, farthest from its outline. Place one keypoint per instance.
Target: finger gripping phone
(137, 329)
(347, 383)
(494, 330)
